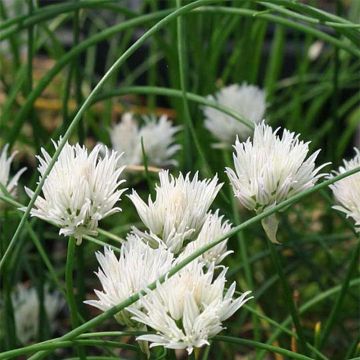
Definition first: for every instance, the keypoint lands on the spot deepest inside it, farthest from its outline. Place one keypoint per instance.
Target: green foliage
(188, 49)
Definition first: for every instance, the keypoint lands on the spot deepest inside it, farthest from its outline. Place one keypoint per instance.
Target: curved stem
(259, 345)
(175, 93)
(46, 345)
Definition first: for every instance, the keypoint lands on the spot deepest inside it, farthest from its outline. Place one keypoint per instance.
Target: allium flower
(5, 164)
(26, 304)
(213, 229)
(188, 309)
(347, 190)
(158, 140)
(247, 100)
(137, 266)
(81, 189)
(179, 210)
(269, 169)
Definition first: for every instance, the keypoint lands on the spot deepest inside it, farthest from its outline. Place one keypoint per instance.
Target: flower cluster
(269, 169)
(187, 309)
(247, 100)
(157, 136)
(80, 190)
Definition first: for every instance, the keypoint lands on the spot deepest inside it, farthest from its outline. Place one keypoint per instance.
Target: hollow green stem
(69, 286)
(69, 281)
(189, 128)
(288, 296)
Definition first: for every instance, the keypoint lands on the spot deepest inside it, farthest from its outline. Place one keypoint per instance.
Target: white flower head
(214, 227)
(188, 309)
(81, 189)
(347, 190)
(5, 165)
(180, 208)
(157, 136)
(247, 100)
(26, 305)
(269, 169)
(138, 265)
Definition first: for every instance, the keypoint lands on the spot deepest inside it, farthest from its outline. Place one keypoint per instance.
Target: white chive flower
(188, 309)
(269, 169)
(347, 190)
(137, 266)
(8, 183)
(247, 100)
(26, 305)
(157, 136)
(179, 209)
(213, 229)
(81, 189)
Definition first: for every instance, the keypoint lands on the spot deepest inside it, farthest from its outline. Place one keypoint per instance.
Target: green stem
(69, 281)
(287, 22)
(339, 300)
(21, 22)
(69, 286)
(77, 74)
(175, 93)
(44, 257)
(259, 345)
(188, 129)
(52, 345)
(29, 87)
(288, 296)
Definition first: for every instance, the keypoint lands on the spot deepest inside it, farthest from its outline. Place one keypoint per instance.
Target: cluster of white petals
(347, 190)
(26, 304)
(214, 228)
(247, 100)
(137, 266)
(179, 210)
(81, 189)
(270, 169)
(157, 136)
(9, 184)
(188, 308)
